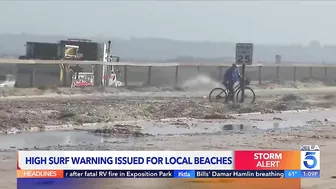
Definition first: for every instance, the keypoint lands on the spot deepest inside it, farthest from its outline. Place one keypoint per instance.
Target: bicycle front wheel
(218, 95)
(249, 95)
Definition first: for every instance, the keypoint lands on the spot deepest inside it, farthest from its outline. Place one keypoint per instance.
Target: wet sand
(282, 139)
(316, 129)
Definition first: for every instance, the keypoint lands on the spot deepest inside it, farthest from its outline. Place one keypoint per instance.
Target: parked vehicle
(7, 80)
(84, 80)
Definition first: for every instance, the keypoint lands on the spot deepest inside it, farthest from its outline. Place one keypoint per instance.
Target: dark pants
(229, 85)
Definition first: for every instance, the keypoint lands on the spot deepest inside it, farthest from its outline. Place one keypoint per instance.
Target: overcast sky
(268, 22)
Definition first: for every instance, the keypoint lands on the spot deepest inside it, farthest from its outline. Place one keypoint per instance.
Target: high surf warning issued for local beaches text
(169, 164)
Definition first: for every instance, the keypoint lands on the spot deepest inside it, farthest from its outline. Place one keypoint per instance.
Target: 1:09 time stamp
(310, 174)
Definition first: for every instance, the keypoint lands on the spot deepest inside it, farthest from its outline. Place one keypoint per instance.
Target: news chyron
(310, 161)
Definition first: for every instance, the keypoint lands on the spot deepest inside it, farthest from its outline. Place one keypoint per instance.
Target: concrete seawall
(169, 76)
(48, 75)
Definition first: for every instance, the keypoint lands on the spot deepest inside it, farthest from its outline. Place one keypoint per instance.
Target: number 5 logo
(310, 156)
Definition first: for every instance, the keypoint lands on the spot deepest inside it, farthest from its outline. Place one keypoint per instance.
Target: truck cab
(72, 53)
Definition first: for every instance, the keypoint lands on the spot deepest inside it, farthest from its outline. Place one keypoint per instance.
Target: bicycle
(223, 93)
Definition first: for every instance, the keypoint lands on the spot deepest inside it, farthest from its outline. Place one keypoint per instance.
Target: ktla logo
(310, 157)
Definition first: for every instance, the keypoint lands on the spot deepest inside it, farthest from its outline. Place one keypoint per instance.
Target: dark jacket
(231, 75)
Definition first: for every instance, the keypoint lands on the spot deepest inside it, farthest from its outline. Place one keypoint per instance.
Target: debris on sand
(241, 108)
(228, 127)
(314, 122)
(122, 130)
(329, 97)
(181, 123)
(217, 115)
(326, 105)
(277, 118)
(279, 106)
(256, 119)
(57, 90)
(269, 106)
(248, 108)
(95, 109)
(291, 97)
(66, 114)
(82, 119)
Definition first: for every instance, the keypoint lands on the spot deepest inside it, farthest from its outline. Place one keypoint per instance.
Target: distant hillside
(164, 50)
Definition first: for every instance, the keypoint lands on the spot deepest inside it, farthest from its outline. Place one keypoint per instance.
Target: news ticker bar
(168, 174)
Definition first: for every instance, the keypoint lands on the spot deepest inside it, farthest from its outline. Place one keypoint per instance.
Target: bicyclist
(231, 76)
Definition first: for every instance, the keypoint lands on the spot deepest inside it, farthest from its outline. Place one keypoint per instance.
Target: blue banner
(293, 174)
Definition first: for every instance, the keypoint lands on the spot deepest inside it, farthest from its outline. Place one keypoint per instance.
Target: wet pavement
(43, 139)
(289, 119)
(253, 122)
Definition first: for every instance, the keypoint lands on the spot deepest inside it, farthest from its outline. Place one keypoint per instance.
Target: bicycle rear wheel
(218, 95)
(249, 95)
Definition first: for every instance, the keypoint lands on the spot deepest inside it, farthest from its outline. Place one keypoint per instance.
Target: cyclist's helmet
(234, 65)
